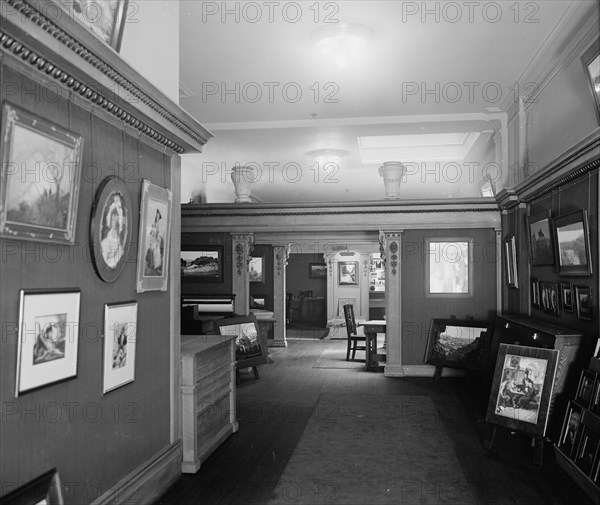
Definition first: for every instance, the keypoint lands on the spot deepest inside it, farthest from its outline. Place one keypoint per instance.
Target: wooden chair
(353, 338)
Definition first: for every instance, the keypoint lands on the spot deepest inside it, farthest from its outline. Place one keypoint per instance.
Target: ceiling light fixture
(343, 42)
(327, 155)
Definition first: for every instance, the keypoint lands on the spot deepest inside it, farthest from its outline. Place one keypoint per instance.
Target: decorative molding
(62, 50)
(148, 481)
(244, 245)
(282, 254)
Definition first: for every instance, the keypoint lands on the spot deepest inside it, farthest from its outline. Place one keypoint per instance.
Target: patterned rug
(360, 449)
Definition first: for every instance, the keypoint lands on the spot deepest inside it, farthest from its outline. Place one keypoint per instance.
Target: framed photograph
(110, 228)
(585, 389)
(202, 263)
(258, 302)
(549, 300)
(43, 490)
(347, 273)
(120, 338)
(588, 444)
(40, 207)
(510, 255)
(591, 65)
(522, 388)
(583, 299)
(48, 337)
(566, 296)
(570, 429)
(540, 239)
(535, 293)
(154, 238)
(573, 244)
(317, 271)
(256, 269)
(449, 268)
(104, 18)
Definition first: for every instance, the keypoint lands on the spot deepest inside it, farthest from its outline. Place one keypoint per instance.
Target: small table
(371, 329)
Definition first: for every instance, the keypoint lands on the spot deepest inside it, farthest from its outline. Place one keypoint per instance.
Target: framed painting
(202, 263)
(573, 244)
(43, 490)
(347, 273)
(110, 228)
(256, 269)
(583, 299)
(570, 429)
(154, 238)
(317, 271)
(104, 18)
(48, 337)
(522, 388)
(540, 239)
(588, 444)
(449, 268)
(510, 264)
(549, 300)
(258, 302)
(40, 175)
(120, 339)
(535, 293)
(591, 65)
(566, 296)
(585, 389)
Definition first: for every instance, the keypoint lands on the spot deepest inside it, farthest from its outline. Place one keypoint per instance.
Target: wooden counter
(207, 396)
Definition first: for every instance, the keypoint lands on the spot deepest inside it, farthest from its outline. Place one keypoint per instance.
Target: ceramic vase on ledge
(392, 173)
(243, 177)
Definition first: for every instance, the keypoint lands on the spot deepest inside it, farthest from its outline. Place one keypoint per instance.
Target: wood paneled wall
(91, 438)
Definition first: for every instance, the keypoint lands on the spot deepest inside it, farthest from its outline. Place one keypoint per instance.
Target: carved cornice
(86, 68)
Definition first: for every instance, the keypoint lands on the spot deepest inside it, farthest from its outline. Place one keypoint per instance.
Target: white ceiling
(259, 83)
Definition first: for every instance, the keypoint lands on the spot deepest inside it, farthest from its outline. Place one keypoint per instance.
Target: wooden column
(241, 249)
(391, 247)
(281, 254)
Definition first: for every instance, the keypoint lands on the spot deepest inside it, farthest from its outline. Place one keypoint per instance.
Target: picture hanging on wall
(347, 273)
(573, 244)
(110, 228)
(591, 64)
(535, 293)
(583, 299)
(566, 296)
(48, 337)
(154, 238)
(40, 208)
(540, 239)
(104, 18)
(256, 269)
(202, 263)
(549, 300)
(510, 255)
(120, 339)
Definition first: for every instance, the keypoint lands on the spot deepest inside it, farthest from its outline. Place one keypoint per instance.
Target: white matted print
(120, 338)
(154, 238)
(48, 337)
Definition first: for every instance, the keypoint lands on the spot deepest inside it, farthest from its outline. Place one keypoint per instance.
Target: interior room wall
(93, 439)
(418, 310)
(297, 278)
(264, 289)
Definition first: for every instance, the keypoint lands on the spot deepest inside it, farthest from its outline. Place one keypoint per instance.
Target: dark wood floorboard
(273, 411)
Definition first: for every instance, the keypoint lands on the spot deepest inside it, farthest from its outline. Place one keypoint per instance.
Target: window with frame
(448, 267)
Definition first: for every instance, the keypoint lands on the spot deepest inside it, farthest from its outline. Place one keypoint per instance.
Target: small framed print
(570, 430)
(583, 299)
(317, 271)
(48, 337)
(535, 292)
(588, 443)
(256, 269)
(258, 302)
(110, 228)
(585, 389)
(154, 238)
(549, 298)
(120, 339)
(566, 296)
(347, 273)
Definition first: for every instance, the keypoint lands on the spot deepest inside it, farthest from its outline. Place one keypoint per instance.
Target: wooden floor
(273, 410)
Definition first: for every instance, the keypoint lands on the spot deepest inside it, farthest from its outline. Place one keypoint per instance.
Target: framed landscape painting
(39, 178)
(573, 244)
(317, 271)
(48, 337)
(540, 239)
(522, 388)
(202, 263)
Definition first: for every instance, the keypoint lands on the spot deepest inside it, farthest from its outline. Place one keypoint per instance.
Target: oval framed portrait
(110, 228)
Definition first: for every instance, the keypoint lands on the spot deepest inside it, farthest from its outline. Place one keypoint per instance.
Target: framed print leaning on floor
(48, 337)
(154, 238)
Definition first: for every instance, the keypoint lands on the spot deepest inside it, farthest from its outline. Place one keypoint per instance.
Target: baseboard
(419, 371)
(148, 482)
(277, 343)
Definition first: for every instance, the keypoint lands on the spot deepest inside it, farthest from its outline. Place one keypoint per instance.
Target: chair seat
(353, 338)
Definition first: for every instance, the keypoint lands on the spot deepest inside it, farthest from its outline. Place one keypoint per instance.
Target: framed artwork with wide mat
(522, 388)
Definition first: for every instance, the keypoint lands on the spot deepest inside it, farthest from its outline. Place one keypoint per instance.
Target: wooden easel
(536, 442)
